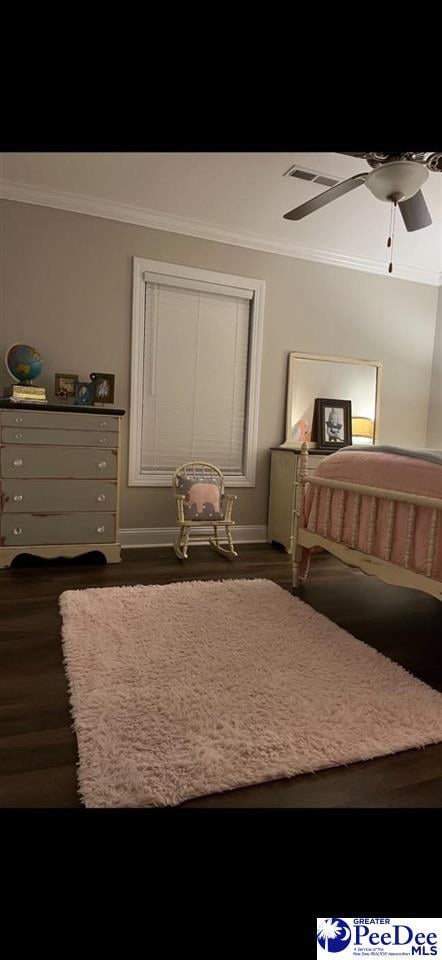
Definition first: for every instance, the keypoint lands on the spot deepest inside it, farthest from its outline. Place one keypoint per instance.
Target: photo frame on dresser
(332, 423)
(84, 395)
(104, 387)
(64, 386)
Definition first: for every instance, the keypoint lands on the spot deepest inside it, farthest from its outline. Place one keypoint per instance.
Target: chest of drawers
(58, 481)
(284, 468)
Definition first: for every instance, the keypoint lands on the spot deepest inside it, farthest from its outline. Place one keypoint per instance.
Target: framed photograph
(85, 393)
(333, 423)
(64, 388)
(104, 387)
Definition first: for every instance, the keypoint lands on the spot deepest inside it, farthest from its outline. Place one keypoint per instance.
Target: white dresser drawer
(58, 421)
(27, 529)
(18, 460)
(66, 438)
(54, 496)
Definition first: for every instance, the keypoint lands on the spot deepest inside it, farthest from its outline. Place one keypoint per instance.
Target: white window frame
(140, 267)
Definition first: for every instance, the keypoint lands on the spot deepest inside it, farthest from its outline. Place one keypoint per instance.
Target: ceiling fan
(394, 178)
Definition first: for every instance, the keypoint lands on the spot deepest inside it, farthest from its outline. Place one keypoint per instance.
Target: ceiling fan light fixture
(398, 180)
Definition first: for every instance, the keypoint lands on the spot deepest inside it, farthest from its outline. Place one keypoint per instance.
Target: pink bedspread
(391, 472)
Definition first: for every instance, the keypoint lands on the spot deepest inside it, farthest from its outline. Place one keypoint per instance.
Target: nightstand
(285, 462)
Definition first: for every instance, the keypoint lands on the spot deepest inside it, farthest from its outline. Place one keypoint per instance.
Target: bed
(377, 508)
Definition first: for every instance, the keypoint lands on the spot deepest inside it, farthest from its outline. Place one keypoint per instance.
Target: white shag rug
(199, 687)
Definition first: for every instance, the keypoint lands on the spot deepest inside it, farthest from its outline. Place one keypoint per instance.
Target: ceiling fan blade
(415, 212)
(326, 197)
(369, 154)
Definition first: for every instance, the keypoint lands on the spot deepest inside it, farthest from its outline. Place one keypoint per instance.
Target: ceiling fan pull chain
(391, 237)
(389, 229)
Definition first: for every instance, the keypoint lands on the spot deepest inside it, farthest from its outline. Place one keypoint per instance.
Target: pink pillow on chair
(202, 497)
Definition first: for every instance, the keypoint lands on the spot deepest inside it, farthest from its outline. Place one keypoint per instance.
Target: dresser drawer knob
(18, 436)
(102, 425)
(17, 531)
(19, 419)
(101, 497)
(100, 529)
(18, 497)
(102, 440)
(18, 463)
(102, 465)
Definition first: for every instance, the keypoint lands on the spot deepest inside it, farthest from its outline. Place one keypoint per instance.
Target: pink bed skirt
(390, 472)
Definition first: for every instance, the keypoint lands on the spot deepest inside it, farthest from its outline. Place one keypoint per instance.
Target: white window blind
(195, 362)
(195, 371)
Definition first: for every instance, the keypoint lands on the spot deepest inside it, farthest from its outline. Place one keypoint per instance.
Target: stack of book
(22, 392)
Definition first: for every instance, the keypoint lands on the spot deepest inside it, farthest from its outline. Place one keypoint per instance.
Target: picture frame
(104, 387)
(64, 386)
(84, 393)
(332, 423)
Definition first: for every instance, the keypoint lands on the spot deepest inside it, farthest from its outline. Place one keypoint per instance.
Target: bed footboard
(381, 567)
(300, 554)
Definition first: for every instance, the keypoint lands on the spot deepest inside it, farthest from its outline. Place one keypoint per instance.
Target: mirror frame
(294, 355)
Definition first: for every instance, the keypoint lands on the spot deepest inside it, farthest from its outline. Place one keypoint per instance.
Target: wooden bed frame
(375, 566)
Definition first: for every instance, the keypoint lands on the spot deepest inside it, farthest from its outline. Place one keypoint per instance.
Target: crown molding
(142, 217)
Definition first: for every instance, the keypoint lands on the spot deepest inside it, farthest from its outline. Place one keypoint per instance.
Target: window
(196, 358)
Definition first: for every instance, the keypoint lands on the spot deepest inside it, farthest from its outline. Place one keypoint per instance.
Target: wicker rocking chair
(201, 501)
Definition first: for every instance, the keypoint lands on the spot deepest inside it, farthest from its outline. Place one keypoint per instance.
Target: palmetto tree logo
(333, 934)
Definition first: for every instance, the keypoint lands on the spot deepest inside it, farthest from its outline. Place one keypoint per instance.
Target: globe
(23, 363)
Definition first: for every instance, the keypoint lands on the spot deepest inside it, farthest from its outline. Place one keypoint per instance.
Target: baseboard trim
(164, 536)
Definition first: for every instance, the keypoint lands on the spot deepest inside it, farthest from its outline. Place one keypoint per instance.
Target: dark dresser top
(312, 450)
(7, 404)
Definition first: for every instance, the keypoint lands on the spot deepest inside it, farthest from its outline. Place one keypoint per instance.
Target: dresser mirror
(312, 376)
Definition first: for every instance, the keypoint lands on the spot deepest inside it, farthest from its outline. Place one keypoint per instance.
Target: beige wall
(68, 291)
(434, 435)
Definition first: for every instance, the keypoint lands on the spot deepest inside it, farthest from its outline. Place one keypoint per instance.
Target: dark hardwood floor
(37, 744)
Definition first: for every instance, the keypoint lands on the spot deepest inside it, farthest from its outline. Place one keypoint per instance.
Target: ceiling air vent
(300, 173)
